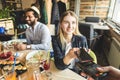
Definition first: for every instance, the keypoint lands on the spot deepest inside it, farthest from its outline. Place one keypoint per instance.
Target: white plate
(29, 55)
(36, 53)
(14, 40)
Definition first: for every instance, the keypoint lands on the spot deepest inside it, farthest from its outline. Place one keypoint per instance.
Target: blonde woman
(67, 42)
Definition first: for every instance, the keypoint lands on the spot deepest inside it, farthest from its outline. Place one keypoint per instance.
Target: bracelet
(28, 46)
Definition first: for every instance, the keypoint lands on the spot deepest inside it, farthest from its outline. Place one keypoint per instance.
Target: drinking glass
(0, 46)
(11, 76)
(33, 69)
(46, 64)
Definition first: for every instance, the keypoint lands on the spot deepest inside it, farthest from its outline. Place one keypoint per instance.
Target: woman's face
(68, 25)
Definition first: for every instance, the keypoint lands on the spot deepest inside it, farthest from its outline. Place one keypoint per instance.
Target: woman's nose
(70, 25)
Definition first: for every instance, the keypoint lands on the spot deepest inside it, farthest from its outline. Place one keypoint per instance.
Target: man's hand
(21, 46)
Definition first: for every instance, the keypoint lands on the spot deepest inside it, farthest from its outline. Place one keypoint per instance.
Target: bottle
(1, 46)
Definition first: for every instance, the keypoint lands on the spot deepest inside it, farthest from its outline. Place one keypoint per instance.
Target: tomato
(11, 58)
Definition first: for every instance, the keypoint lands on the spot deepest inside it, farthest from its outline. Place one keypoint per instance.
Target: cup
(0, 46)
(33, 69)
(2, 30)
(101, 23)
(46, 65)
(11, 76)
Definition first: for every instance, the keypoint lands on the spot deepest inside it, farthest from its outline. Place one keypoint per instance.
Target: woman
(67, 42)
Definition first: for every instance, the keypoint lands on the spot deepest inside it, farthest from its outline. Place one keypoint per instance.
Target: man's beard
(31, 23)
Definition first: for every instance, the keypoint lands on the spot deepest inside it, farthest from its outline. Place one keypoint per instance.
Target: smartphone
(84, 56)
(87, 65)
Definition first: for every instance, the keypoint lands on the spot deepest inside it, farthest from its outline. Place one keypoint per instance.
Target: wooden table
(56, 74)
(98, 26)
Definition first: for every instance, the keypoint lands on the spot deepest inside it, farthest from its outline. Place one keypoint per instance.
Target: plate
(14, 41)
(19, 68)
(37, 54)
(29, 55)
(10, 42)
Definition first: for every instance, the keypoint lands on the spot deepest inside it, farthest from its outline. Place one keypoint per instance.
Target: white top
(72, 61)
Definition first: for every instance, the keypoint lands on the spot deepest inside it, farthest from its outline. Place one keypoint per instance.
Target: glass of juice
(11, 76)
(33, 69)
(46, 64)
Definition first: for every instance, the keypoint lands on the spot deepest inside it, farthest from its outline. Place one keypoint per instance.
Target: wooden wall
(92, 8)
(27, 3)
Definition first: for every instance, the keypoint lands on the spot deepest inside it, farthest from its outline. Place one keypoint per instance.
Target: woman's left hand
(70, 55)
(72, 51)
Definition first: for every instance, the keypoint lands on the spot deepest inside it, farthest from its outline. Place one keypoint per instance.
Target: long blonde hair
(60, 31)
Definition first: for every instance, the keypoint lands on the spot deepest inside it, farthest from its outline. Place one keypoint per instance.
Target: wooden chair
(88, 31)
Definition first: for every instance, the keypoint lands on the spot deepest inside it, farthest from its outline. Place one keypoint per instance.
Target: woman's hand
(70, 55)
(86, 76)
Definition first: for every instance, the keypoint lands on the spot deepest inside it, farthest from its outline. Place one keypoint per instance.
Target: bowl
(5, 55)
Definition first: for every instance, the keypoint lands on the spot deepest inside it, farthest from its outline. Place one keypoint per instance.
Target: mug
(2, 30)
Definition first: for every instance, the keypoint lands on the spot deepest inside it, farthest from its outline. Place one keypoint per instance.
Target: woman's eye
(65, 22)
(73, 22)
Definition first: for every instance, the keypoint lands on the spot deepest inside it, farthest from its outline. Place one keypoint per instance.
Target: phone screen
(84, 56)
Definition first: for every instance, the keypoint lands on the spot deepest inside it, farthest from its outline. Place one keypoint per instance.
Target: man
(37, 35)
(113, 73)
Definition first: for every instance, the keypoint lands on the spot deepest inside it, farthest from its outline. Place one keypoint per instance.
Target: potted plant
(7, 20)
(5, 13)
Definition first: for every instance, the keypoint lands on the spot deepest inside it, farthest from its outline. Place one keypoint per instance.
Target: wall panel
(92, 8)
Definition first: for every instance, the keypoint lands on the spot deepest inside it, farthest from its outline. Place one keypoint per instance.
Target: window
(114, 13)
(114, 10)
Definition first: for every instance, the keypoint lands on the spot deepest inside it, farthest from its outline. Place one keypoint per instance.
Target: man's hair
(34, 12)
